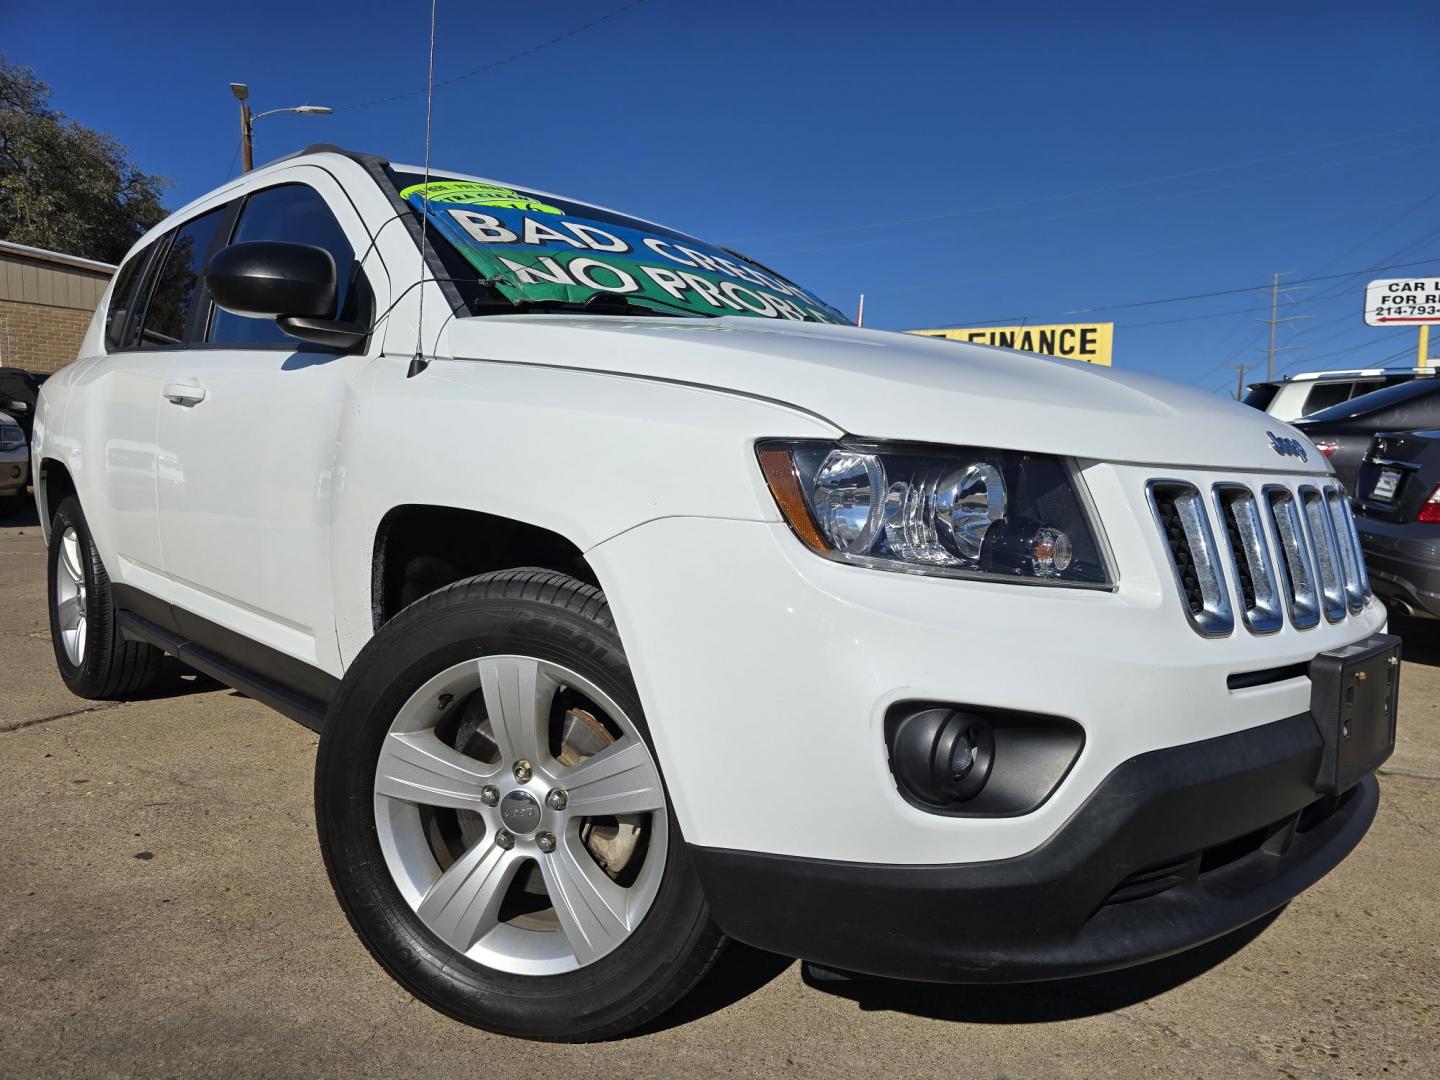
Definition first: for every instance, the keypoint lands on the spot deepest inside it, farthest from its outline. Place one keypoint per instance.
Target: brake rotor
(612, 841)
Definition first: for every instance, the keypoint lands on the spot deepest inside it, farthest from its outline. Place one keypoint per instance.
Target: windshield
(543, 253)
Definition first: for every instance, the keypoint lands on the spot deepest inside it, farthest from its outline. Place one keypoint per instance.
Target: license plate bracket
(1354, 696)
(1385, 485)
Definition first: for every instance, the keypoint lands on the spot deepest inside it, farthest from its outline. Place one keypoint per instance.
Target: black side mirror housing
(294, 284)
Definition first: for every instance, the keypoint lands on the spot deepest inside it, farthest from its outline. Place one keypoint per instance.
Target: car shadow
(177, 680)
(739, 972)
(1036, 1003)
(19, 512)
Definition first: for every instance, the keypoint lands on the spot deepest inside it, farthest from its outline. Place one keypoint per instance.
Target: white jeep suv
(641, 602)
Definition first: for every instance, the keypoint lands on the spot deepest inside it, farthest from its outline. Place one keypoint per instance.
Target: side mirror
(294, 284)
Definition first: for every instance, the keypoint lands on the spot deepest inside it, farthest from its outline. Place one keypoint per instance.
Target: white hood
(885, 385)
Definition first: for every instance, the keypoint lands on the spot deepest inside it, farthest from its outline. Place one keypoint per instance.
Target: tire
(94, 658)
(435, 678)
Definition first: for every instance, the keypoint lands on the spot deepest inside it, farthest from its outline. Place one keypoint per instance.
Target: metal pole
(247, 137)
(1274, 302)
(1240, 382)
(1422, 361)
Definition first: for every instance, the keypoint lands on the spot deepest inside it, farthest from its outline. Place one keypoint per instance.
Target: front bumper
(1176, 847)
(1404, 563)
(14, 472)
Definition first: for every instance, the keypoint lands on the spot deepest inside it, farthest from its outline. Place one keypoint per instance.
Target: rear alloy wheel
(494, 818)
(94, 658)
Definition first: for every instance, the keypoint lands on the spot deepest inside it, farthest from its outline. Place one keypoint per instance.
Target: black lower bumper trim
(1176, 847)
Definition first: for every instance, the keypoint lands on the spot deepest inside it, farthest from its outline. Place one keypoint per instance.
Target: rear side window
(178, 283)
(295, 214)
(122, 303)
(1323, 395)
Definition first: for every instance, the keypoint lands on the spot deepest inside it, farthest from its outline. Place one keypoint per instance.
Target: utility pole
(1240, 381)
(1275, 321)
(860, 315)
(247, 126)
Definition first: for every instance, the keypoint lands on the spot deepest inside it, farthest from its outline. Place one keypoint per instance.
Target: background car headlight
(954, 511)
(11, 437)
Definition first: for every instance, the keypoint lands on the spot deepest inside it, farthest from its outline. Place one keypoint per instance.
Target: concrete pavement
(164, 912)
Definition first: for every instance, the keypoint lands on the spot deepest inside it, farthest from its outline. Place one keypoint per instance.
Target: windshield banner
(540, 249)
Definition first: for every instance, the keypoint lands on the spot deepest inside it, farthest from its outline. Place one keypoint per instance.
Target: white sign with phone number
(1402, 302)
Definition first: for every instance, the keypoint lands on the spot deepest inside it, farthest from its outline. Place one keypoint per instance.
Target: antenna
(418, 363)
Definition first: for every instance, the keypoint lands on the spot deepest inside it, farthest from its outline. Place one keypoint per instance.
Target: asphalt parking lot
(164, 912)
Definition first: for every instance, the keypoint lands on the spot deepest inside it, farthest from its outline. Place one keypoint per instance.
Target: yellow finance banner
(1089, 343)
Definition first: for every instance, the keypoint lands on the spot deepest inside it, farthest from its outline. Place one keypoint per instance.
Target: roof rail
(329, 148)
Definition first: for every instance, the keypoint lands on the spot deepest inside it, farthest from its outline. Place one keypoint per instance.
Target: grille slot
(1327, 553)
(1296, 568)
(1249, 558)
(1180, 514)
(1352, 559)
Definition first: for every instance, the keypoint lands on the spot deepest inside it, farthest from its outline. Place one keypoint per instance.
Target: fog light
(943, 756)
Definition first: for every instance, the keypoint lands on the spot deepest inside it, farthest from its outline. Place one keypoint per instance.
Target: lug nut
(557, 799)
(544, 841)
(490, 795)
(504, 840)
(524, 771)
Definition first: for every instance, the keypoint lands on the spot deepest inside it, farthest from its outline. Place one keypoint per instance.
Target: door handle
(184, 394)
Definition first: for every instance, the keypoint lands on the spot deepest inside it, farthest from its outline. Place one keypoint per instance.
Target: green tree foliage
(63, 186)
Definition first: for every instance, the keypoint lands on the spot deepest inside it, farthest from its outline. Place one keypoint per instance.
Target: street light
(248, 118)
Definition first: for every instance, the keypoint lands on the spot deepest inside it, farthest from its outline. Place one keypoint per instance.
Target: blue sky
(957, 163)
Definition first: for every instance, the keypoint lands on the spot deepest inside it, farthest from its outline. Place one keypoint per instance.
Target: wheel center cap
(520, 812)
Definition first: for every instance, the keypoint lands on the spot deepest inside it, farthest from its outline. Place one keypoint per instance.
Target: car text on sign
(1402, 302)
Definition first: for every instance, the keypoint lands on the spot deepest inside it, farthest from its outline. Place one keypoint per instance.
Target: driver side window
(296, 214)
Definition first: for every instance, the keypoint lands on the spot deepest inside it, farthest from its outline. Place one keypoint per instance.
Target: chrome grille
(1286, 553)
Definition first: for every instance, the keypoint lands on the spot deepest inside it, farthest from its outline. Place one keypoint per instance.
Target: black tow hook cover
(943, 756)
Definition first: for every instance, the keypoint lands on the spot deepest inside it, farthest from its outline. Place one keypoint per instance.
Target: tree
(63, 186)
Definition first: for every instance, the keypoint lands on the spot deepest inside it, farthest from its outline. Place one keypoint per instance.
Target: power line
(1090, 191)
(1191, 318)
(770, 253)
(549, 43)
(1179, 299)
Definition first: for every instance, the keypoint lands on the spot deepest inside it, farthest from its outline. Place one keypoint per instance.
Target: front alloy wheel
(494, 819)
(514, 803)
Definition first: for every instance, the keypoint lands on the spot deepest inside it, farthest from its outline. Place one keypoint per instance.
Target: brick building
(46, 300)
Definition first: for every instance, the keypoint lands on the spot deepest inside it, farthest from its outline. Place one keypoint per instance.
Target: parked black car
(19, 391)
(1343, 432)
(1397, 511)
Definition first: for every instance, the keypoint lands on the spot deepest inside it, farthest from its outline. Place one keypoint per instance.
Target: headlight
(953, 511)
(11, 437)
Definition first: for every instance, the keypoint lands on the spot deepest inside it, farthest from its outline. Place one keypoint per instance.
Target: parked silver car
(14, 465)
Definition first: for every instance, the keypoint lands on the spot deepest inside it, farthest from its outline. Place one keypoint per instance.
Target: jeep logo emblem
(520, 812)
(1287, 447)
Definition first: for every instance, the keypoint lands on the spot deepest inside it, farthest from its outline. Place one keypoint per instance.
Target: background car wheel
(494, 820)
(95, 660)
